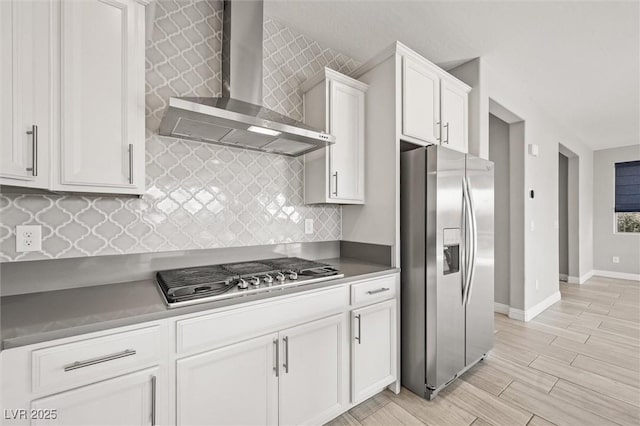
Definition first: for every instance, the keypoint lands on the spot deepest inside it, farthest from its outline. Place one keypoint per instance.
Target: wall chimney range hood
(238, 118)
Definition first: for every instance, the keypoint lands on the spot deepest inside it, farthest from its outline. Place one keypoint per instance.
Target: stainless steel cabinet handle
(446, 140)
(275, 367)
(93, 361)
(153, 400)
(335, 191)
(359, 337)
(131, 163)
(380, 290)
(286, 354)
(34, 150)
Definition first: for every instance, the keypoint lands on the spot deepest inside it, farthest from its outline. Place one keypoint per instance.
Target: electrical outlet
(28, 238)
(308, 226)
(615, 259)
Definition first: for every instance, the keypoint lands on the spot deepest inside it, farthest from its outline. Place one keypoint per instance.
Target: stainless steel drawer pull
(359, 337)
(380, 290)
(153, 400)
(87, 363)
(34, 150)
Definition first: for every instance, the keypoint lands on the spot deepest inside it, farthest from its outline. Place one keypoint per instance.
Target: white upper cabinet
(101, 96)
(434, 104)
(420, 101)
(73, 73)
(25, 88)
(455, 111)
(335, 103)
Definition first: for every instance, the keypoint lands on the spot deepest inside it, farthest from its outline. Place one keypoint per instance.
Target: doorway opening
(568, 218)
(506, 150)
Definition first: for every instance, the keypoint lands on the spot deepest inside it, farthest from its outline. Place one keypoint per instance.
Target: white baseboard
(536, 310)
(586, 277)
(619, 275)
(529, 314)
(517, 314)
(501, 308)
(579, 280)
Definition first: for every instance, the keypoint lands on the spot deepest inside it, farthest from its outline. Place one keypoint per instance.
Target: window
(627, 196)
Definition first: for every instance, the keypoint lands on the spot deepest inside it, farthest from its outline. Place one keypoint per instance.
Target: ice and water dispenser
(451, 248)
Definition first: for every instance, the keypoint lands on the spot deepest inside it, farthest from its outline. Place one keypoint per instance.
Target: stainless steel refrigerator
(447, 251)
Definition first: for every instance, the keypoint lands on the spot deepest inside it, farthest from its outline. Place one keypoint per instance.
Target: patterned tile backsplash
(198, 195)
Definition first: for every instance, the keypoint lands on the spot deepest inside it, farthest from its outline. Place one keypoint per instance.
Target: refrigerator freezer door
(445, 334)
(479, 306)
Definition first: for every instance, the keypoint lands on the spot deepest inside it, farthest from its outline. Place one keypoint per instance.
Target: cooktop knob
(254, 281)
(267, 279)
(292, 275)
(242, 284)
(280, 277)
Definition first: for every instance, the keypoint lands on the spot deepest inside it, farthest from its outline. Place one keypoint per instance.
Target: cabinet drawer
(374, 290)
(86, 361)
(232, 326)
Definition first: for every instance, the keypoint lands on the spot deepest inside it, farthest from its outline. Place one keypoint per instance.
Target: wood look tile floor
(577, 363)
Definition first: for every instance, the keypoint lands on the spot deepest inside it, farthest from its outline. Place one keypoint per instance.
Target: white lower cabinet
(314, 371)
(296, 364)
(297, 376)
(126, 400)
(234, 385)
(373, 349)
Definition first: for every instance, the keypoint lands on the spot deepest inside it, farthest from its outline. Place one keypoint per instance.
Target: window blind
(628, 186)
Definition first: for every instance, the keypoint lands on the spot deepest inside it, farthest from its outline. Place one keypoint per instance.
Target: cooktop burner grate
(294, 264)
(201, 275)
(248, 268)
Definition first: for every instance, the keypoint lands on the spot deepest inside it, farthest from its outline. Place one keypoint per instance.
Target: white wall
(608, 243)
(499, 154)
(541, 175)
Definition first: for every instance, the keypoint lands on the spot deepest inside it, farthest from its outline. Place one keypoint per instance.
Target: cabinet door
(454, 117)
(127, 400)
(234, 385)
(102, 96)
(420, 101)
(346, 156)
(373, 349)
(25, 88)
(313, 374)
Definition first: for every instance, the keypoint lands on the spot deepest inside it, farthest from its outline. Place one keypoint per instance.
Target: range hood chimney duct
(238, 117)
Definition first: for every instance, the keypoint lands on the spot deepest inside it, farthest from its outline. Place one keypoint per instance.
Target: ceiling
(579, 60)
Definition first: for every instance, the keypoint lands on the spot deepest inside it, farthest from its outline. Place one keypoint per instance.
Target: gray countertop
(38, 317)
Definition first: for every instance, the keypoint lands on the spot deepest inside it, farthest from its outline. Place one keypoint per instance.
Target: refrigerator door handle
(474, 242)
(466, 207)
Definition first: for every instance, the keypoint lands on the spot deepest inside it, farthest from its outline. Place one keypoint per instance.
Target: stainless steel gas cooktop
(206, 283)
